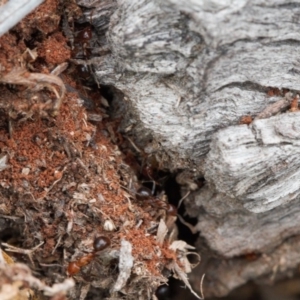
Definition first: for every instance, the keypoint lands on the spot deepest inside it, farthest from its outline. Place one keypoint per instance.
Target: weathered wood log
(222, 276)
(189, 70)
(170, 71)
(226, 228)
(257, 164)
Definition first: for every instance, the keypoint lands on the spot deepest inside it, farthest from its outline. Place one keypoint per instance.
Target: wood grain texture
(187, 74)
(230, 230)
(188, 71)
(257, 164)
(237, 245)
(222, 276)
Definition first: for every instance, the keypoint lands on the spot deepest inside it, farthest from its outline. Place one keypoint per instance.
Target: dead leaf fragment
(161, 232)
(182, 276)
(5, 258)
(125, 265)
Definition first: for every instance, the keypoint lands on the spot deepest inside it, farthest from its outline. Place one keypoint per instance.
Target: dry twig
(27, 252)
(276, 107)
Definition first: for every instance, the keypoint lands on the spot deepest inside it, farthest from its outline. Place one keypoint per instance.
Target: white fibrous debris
(125, 265)
(3, 161)
(64, 286)
(181, 248)
(25, 171)
(161, 232)
(109, 225)
(180, 274)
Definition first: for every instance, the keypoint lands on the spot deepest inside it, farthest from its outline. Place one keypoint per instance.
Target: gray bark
(189, 70)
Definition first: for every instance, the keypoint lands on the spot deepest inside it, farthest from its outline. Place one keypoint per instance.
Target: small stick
(53, 184)
(276, 107)
(184, 197)
(134, 145)
(192, 228)
(27, 252)
(58, 242)
(59, 69)
(201, 286)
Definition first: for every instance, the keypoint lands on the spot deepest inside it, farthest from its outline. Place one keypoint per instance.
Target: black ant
(146, 195)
